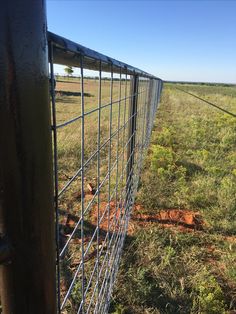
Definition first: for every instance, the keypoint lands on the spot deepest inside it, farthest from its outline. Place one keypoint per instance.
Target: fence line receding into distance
(69, 170)
(100, 132)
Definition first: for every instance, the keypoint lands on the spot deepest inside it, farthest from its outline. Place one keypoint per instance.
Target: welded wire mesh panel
(101, 124)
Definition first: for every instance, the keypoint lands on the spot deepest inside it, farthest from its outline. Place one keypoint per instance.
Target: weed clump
(209, 297)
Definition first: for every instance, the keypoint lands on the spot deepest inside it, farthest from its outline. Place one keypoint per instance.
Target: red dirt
(169, 217)
(184, 220)
(110, 212)
(111, 215)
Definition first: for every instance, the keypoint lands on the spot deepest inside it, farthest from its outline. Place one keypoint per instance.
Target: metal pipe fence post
(131, 135)
(27, 271)
(150, 105)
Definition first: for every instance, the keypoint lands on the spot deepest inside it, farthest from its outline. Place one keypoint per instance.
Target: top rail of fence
(68, 52)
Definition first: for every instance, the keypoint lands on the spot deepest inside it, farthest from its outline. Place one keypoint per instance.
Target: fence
(100, 126)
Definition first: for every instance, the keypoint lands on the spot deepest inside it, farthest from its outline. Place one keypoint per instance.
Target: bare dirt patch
(178, 217)
(184, 220)
(109, 215)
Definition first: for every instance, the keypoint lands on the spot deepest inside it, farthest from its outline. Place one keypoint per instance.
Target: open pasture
(184, 262)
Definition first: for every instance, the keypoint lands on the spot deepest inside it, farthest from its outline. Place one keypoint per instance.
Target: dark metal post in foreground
(27, 269)
(131, 135)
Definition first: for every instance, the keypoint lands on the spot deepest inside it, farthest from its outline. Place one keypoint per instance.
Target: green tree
(69, 71)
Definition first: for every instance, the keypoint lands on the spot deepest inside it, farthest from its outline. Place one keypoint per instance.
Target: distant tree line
(95, 78)
(202, 83)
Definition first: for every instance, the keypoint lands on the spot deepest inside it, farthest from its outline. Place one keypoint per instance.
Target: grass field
(190, 168)
(184, 263)
(180, 251)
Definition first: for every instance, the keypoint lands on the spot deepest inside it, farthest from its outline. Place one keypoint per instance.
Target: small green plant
(209, 297)
(226, 193)
(165, 137)
(161, 157)
(118, 309)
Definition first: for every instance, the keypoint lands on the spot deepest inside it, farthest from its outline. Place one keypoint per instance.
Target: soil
(185, 220)
(111, 216)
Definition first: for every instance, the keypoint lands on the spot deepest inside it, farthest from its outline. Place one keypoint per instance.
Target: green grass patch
(191, 164)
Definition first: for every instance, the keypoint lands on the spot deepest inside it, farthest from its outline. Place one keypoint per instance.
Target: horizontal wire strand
(207, 102)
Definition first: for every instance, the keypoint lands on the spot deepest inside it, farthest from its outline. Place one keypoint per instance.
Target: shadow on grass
(146, 288)
(69, 81)
(191, 167)
(62, 93)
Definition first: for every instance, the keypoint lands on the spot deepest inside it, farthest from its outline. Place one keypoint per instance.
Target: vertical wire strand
(123, 146)
(117, 150)
(126, 135)
(117, 206)
(145, 115)
(54, 129)
(136, 136)
(98, 178)
(82, 182)
(109, 170)
(122, 203)
(118, 228)
(143, 119)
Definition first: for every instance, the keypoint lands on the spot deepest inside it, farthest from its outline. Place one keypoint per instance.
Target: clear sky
(175, 40)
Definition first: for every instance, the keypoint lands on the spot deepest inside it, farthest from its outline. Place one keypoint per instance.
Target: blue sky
(175, 40)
